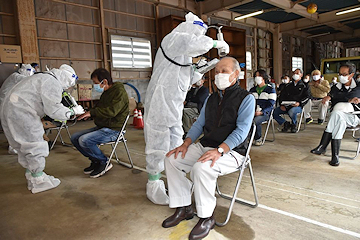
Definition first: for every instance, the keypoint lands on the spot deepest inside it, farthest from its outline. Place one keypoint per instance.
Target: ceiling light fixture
(319, 35)
(249, 15)
(348, 11)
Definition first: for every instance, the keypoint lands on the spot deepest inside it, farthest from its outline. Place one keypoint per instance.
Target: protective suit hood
(66, 75)
(192, 25)
(26, 70)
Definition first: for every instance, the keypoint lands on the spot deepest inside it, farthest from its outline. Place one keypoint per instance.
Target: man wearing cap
(22, 110)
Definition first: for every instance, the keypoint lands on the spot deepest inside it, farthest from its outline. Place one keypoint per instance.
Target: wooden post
(25, 12)
(103, 35)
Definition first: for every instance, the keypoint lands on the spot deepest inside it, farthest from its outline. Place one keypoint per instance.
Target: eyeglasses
(343, 74)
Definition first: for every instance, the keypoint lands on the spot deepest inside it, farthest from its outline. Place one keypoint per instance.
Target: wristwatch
(221, 151)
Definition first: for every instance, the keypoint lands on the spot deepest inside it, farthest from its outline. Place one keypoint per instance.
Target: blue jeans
(258, 120)
(87, 142)
(292, 114)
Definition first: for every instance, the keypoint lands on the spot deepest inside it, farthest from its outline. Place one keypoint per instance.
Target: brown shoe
(180, 214)
(202, 228)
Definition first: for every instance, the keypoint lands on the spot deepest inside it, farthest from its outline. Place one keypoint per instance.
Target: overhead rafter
(325, 18)
(340, 36)
(298, 9)
(213, 6)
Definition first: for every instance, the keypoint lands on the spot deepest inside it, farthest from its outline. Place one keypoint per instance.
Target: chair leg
(302, 115)
(55, 139)
(357, 151)
(270, 122)
(234, 199)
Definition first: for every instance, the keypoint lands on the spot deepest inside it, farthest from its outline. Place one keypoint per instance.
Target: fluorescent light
(319, 35)
(348, 11)
(249, 15)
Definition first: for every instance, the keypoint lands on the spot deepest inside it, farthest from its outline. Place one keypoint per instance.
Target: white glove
(223, 45)
(78, 110)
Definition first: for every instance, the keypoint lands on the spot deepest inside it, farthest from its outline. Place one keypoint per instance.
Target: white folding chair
(233, 198)
(114, 144)
(58, 134)
(302, 116)
(269, 122)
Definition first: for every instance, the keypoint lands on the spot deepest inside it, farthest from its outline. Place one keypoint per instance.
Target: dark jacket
(112, 109)
(221, 115)
(298, 93)
(196, 97)
(339, 93)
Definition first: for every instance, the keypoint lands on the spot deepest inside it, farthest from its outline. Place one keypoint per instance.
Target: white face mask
(306, 80)
(285, 80)
(258, 80)
(344, 79)
(316, 77)
(222, 80)
(296, 77)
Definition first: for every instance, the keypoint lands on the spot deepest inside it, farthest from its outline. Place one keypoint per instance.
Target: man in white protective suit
(172, 76)
(26, 70)
(22, 110)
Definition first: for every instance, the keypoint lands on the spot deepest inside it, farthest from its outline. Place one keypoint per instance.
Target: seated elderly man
(345, 97)
(319, 89)
(194, 101)
(225, 120)
(292, 99)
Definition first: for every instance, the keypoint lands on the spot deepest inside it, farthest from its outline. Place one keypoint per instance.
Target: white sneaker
(28, 177)
(258, 142)
(156, 192)
(12, 151)
(43, 183)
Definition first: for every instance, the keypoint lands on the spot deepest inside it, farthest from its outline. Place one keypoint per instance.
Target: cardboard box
(84, 92)
(10, 54)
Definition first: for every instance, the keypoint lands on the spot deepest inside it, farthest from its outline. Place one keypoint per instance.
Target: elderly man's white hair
(236, 65)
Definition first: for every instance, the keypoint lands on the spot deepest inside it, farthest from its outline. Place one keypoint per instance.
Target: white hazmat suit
(22, 109)
(166, 93)
(26, 70)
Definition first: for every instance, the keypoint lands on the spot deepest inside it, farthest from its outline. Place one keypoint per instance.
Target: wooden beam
(25, 12)
(213, 6)
(321, 19)
(103, 35)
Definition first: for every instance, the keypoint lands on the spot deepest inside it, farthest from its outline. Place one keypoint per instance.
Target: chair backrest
(245, 146)
(121, 133)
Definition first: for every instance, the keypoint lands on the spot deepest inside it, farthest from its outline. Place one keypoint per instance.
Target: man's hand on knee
(183, 149)
(211, 155)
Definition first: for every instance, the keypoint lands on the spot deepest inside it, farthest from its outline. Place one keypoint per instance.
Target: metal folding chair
(354, 130)
(269, 122)
(302, 116)
(114, 144)
(58, 134)
(233, 198)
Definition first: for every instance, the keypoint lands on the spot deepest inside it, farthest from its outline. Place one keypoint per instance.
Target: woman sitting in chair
(265, 96)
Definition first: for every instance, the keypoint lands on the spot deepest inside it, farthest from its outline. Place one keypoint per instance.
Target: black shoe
(320, 121)
(181, 213)
(202, 228)
(286, 127)
(293, 128)
(100, 170)
(335, 149)
(309, 120)
(92, 167)
(325, 140)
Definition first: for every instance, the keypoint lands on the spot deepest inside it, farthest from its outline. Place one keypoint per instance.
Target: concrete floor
(301, 196)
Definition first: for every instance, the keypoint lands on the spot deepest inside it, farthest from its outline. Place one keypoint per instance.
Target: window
(129, 52)
(248, 61)
(297, 62)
